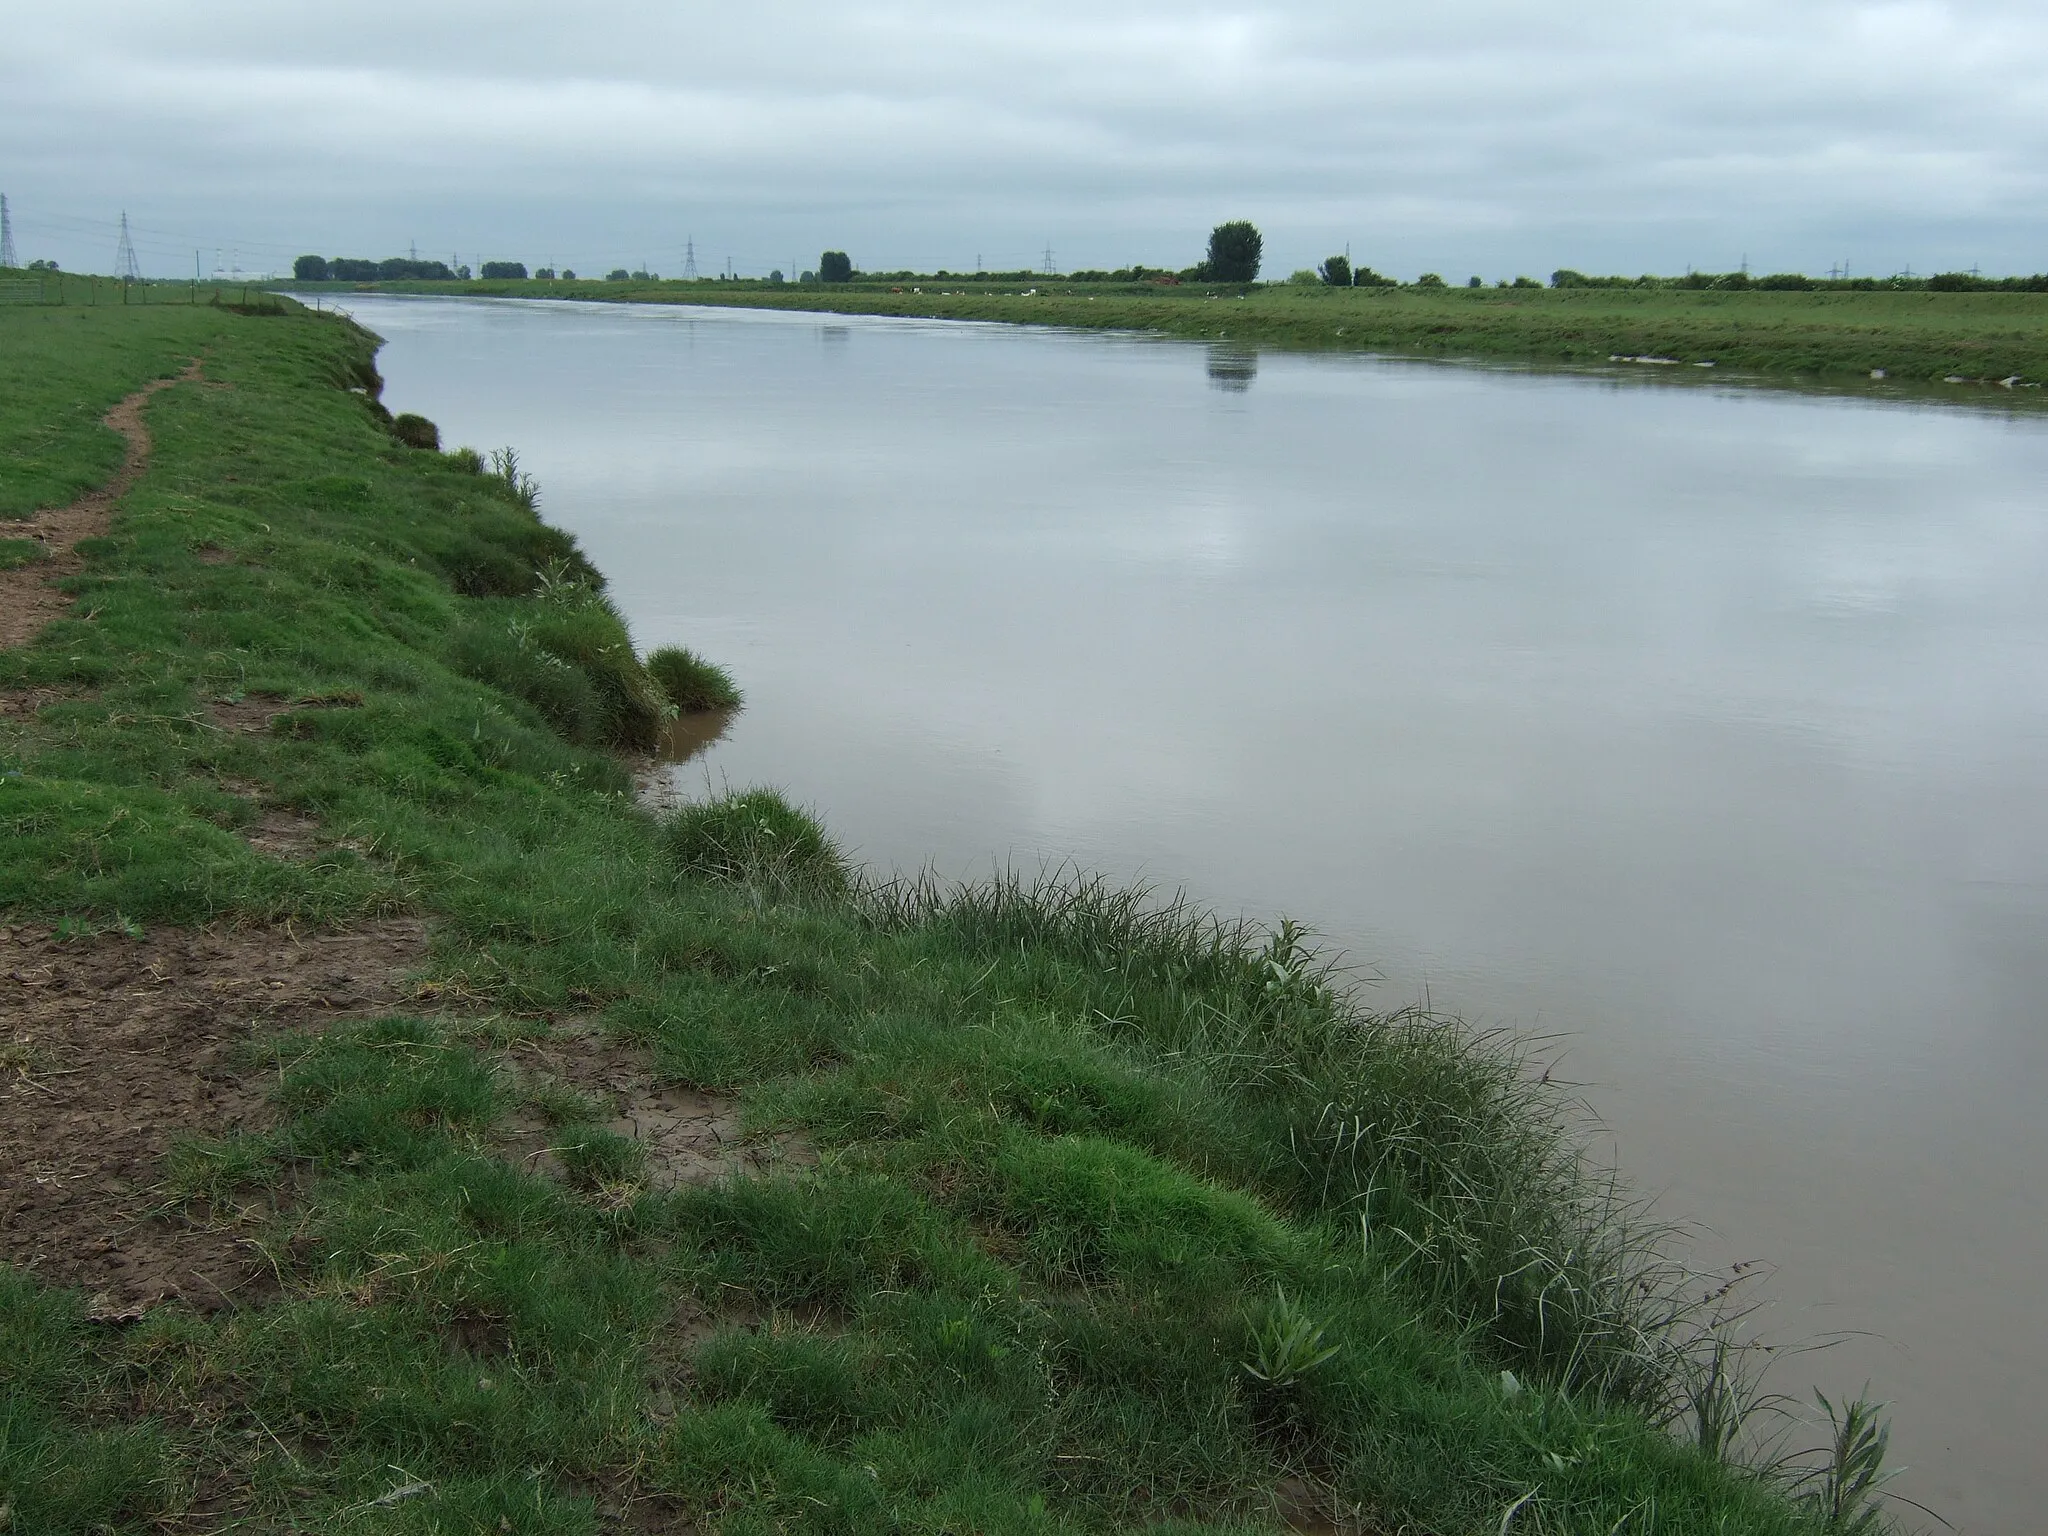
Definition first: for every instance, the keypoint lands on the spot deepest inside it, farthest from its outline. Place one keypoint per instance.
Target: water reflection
(1232, 368)
(691, 734)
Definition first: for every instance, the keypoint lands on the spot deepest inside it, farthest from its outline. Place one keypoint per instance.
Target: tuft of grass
(416, 432)
(600, 1159)
(691, 683)
(16, 553)
(757, 839)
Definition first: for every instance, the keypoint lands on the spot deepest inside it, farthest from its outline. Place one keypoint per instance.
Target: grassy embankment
(1840, 335)
(1119, 1218)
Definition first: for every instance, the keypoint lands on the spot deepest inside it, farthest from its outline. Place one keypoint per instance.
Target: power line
(6, 235)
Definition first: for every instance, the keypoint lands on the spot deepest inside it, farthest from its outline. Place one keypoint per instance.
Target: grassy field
(1062, 1211)
(1916, 338)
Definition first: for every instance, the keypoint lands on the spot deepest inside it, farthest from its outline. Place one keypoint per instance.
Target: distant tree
(1565, 277)
(1525, 282)
(1234, 252)
(835, 267)
(1365, 277)
(775, 276)
(42, 266)
(1305, 277)
(617, 275)
(1429, 280)
(463, 273)
(503, 269)
(310, 269)
(395, 269)
(1473, 282)
(1336, 271)
(808, 277)
(544, 274)
(1795, 281)
(568, 274)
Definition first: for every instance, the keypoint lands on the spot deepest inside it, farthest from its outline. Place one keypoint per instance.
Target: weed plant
(1113, 1215)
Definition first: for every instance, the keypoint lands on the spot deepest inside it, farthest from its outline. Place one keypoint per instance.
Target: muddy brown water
(1702, 728)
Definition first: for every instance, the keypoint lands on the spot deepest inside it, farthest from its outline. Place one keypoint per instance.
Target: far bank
(1972, 343)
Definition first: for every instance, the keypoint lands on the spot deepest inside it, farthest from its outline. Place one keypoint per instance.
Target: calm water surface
(1704, 729)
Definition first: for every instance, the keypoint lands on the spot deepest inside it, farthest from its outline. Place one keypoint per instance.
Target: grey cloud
(1465, 136)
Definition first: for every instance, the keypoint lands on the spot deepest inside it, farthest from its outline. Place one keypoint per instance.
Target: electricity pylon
(126, 267)
(6, 236)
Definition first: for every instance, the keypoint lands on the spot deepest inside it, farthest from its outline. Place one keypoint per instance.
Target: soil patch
(688, 1136)
(29, 598)
(113, 1047)
(27, 702)
(280, 833)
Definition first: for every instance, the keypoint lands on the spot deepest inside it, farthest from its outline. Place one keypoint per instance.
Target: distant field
(1915, 337)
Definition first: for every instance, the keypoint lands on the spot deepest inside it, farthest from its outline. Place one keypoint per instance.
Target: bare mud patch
(112, 1048)
(687, 1136)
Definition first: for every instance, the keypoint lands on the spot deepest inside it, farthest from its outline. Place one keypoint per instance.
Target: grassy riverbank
(1029, 1208)
(1830, 335)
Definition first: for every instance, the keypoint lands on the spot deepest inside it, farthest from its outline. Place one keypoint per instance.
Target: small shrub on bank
(416, 432)
(692, 683)
(755, 837)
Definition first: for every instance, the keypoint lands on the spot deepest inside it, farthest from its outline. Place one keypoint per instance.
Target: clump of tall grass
(416, 431)
(692, 683)
(1459, 1169)
(568, 654)
(580, 627)
(757, 839)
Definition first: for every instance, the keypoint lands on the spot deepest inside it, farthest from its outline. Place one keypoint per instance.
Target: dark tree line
(350, 269)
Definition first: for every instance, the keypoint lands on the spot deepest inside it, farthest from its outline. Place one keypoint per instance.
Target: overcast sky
(1458, 136)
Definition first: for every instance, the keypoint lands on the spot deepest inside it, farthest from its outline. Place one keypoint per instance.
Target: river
(1702, 729)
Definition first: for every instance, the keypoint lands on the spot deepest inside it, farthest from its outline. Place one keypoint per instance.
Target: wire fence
(80, 290)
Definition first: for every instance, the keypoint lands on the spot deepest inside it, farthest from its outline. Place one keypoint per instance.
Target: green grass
(692, 683)
(1120, 1217)
(1828, 335)
(16, 553)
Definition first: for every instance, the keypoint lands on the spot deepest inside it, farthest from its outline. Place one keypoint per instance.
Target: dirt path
(29, 598)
